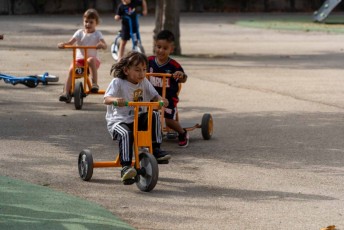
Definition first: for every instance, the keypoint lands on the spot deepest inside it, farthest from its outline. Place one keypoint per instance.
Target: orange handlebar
(141, 103)
(79, 47)
(159, 74)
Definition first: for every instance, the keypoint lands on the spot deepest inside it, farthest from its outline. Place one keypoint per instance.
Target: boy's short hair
(165, 35)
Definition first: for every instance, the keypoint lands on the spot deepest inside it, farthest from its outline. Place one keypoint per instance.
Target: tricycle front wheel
(78, 96)
(149, 172)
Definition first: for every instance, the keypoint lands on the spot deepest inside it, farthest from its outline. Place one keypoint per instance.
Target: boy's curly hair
(133, 58)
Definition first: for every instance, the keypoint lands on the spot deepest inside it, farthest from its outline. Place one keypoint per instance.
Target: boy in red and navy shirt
(162, 63)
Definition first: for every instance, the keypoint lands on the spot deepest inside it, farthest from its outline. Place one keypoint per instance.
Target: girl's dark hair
(133, 58)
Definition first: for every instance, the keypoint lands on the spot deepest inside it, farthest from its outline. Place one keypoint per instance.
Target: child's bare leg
(173, 124)
(121, 49)
(68, 84)
(67, 87)
(92, 63)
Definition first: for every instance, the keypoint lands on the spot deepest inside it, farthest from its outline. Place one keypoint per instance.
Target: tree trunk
(171, 23)
(167, 18)
(159, 6)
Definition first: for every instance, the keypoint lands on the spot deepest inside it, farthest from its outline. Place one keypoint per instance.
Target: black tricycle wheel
(85, 165)
(30, 82)
(78, 96)
(148, 173)
(207, 126)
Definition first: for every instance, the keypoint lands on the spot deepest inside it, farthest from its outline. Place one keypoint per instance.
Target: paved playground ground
(275, 160)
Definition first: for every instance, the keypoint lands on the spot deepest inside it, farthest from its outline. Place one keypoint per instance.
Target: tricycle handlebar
(159, 74)
(142, 103)
(79, 47)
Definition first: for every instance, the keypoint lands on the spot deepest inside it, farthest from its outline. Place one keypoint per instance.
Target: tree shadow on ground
(271, 139)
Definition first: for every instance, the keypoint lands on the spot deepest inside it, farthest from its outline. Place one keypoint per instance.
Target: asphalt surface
(276, 157)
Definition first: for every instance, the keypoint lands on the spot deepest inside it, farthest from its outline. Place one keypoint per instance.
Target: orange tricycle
(80, 88)
(143, 160)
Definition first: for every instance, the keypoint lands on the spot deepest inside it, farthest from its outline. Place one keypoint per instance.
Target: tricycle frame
(142, 141)
(207, 121)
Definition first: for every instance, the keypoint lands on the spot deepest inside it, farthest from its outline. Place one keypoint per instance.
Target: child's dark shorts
(171, 110)
(125, 31)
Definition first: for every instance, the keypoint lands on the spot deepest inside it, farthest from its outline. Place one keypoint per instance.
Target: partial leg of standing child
(121, 50)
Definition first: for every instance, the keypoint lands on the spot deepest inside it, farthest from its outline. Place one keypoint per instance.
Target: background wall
(67, 6)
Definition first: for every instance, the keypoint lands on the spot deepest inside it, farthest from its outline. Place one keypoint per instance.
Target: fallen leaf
(331, 227)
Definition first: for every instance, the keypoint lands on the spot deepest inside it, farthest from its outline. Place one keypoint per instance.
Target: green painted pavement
(294, 22)
(28, 206)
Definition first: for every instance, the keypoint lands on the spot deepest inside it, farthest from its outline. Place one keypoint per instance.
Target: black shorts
(125, 32)
(170, 112)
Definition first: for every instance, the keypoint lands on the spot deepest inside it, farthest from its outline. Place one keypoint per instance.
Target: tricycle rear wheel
(207, 126)
(85, 165)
